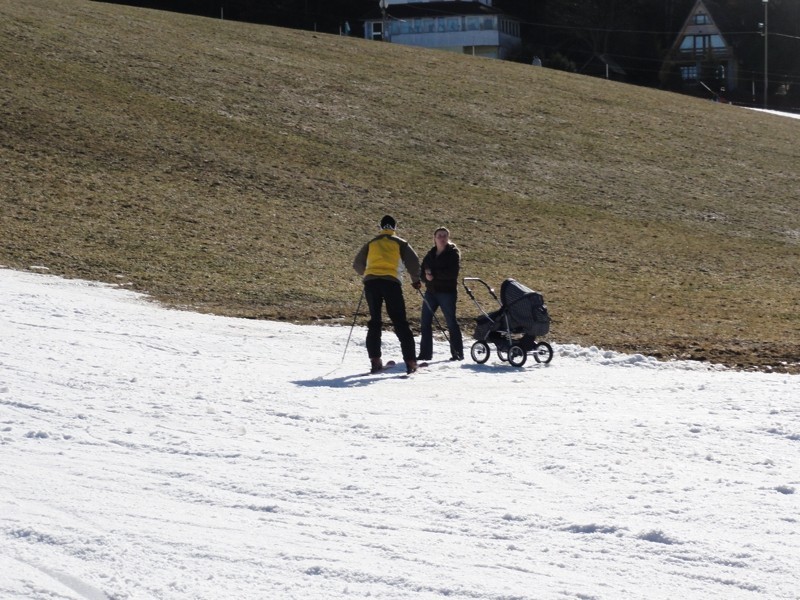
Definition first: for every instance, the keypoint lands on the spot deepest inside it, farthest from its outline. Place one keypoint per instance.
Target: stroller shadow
(499, 368)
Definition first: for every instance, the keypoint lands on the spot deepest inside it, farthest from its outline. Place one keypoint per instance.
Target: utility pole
(383, 23)
(766, 49)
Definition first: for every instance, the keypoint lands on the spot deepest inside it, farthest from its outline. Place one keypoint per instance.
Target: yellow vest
(383, 258)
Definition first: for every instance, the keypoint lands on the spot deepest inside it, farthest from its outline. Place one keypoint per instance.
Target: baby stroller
(513, 327)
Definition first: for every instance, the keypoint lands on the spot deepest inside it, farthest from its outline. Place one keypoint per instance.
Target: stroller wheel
(502, 353)
(517, 356)
(543, 353)
(480, 352)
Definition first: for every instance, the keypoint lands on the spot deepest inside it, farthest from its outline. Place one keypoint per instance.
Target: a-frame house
(701, 56)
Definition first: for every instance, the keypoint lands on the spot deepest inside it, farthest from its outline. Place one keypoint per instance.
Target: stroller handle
(479, 280)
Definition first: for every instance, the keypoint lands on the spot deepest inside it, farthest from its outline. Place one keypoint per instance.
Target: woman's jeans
(447, 302)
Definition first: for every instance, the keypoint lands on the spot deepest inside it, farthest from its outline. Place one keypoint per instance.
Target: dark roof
(434, 9)
(723, 19)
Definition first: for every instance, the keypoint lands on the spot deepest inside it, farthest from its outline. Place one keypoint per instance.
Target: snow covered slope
(153, 453)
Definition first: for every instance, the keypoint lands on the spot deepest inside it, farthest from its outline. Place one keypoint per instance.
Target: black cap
(388, 222)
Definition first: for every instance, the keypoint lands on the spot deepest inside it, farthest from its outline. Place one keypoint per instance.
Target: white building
(470, 27)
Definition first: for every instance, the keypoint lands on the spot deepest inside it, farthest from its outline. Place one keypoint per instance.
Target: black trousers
(378, 291)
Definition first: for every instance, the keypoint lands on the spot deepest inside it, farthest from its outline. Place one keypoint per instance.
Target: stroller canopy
(512, 290)
(525, 308)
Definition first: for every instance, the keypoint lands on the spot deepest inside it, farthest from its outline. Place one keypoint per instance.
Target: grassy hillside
(236, 169)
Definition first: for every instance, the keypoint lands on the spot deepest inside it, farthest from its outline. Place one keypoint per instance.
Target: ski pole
(355, 316)
(435, 318)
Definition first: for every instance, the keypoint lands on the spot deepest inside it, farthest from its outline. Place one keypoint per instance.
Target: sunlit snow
(153, 453)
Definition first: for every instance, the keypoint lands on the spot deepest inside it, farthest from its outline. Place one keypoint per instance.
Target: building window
(473, 23)
(509, 27)
(453, 23)
(701, 44)
(701, 19)
(401, 27)
(689, 73)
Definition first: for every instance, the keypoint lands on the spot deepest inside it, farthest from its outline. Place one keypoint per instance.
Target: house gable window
(701, 19)
(701, 44)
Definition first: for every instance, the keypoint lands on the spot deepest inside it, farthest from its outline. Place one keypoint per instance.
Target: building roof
(718, 25)
(433, 9)
(722, 17)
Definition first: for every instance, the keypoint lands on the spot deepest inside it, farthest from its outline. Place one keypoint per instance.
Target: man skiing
(381, 261)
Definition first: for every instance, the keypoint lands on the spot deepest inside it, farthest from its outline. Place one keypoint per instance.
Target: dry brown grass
(236, 169)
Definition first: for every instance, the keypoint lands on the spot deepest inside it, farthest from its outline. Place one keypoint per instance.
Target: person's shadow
(356, 380)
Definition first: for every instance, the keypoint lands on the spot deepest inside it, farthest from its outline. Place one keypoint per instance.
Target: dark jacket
(444, 268)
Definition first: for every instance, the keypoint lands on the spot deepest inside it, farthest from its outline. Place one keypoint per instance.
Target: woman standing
(439, 272)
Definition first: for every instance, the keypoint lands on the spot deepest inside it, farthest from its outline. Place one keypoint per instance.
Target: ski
(420, 365)
(390, 365)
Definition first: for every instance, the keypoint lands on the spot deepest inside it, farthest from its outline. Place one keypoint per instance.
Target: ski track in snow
(154, 453)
